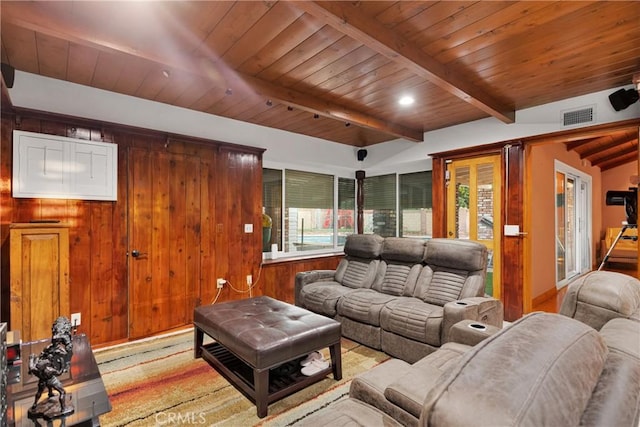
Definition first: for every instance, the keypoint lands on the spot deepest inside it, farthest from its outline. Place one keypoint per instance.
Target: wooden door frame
(511, 212)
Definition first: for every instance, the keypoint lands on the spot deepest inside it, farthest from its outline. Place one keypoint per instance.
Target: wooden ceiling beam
(348, 19)
(605, 143)
(580, 142)
(618, 160)
(302, 101)
(28, 15)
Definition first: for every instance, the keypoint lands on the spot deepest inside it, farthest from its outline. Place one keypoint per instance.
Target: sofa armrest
(486, 310)
(471, 332)
(303, 278)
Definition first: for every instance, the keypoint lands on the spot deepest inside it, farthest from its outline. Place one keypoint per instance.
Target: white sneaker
(316, 355)
(314, 367)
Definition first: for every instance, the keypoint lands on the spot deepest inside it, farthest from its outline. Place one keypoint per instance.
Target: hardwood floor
(552, 305)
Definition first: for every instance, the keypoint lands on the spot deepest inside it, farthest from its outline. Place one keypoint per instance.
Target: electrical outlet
(76, 319)
(220, 283)
(249, 279)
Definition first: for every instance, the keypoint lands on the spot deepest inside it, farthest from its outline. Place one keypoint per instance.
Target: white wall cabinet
(56, 167)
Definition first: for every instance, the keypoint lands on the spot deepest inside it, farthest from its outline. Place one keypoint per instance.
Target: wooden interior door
(474, 209)
(164, 240)
(39, 278)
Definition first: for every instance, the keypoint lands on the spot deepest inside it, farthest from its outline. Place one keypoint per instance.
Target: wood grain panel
(25, 51)
(277, 19)
(52, 56)
(513, 247)
(286, 41)
(128, 82)
(82, 63)
(240, 18)
(199, 181)
(278, 276)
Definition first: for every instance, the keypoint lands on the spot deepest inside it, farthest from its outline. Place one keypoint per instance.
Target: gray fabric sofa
(402, 295)
(543, 370)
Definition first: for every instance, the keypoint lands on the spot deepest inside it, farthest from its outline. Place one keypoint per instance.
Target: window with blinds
(416, 213)
(346, 208)
(380, 205)
(315, 212)
(308, 211)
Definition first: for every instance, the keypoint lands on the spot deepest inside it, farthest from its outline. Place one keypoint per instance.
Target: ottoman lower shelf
(241, 375)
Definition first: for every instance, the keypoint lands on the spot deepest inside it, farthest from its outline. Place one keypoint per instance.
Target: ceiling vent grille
(576, 117)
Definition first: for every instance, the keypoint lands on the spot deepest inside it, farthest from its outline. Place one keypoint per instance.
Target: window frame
(336, 246)
(583, 218)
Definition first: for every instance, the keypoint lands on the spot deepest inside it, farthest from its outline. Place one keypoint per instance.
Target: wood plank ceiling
(336, 70)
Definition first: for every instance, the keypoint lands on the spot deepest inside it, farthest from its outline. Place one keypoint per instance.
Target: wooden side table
(83, 384)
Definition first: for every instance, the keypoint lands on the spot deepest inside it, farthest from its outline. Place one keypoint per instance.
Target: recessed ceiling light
(406, 100)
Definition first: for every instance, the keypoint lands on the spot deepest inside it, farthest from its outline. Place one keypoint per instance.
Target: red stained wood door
(164, 240)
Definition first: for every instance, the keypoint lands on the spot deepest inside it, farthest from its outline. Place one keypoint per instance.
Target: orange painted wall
(541, 203)
(615, 179)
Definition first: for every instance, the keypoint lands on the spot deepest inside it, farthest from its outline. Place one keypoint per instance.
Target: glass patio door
(473, 209)
(573, 223)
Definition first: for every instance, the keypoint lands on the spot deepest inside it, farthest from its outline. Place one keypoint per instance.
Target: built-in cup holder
(461, 303)
(478, 326)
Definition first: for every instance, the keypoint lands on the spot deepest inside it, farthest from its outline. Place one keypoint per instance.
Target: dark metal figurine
(53, 361)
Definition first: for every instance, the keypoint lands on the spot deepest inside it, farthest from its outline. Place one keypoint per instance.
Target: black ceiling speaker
(362, 154)
(8, 74)
(622, 98)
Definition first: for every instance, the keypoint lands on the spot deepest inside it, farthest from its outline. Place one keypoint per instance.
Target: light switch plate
(248, 228)
(511, 230)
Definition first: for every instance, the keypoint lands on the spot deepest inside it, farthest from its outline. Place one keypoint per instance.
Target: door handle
(137, 254)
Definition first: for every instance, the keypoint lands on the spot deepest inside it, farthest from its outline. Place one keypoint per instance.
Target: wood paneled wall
(278, 276)
(230, 195)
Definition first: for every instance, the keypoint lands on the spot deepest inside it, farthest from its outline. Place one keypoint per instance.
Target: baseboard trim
(551, 293)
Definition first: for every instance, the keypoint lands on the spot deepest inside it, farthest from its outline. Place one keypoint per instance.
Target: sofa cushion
(400, 266)
(441, 285)
(622, 335)
(356, 272)
(397, 279)
(370, 385)
(600, 296)
(616, 398)
(413, 318)
(540, 371)
(367, 246)
(363, 305)
(410, 388)
(322, 297)
(349, 413)
(447, 253)
(403, 249)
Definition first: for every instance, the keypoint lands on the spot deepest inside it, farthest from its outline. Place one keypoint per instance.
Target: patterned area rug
(158, 382)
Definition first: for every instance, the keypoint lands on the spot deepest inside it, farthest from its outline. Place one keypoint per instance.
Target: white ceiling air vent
(579, 116)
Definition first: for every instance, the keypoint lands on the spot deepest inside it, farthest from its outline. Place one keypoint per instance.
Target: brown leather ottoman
(255, 336)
